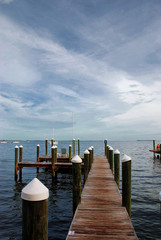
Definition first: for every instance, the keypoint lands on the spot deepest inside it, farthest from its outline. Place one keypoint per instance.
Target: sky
(80, 69)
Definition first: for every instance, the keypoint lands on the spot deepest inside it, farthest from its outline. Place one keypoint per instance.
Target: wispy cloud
(110, 80)
(6, 1)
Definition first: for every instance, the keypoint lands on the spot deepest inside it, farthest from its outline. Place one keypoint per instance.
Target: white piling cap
(76, 159)
(53, 147)
(86, 152)
(70, 145)
(38, 145)
(160, 196)
(73, 139)
(116, 151)
(126, 158)
(16, 146)
(35, 191)
(90, 148)
(21, 146)
(110, 148)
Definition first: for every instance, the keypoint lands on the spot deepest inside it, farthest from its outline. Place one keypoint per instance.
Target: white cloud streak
(101, 82)
(6, 1)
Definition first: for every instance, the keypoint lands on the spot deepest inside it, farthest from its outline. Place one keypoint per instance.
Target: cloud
(110, 80)
(134, 92)
(130, 45)
(16, 68)
(6, 1)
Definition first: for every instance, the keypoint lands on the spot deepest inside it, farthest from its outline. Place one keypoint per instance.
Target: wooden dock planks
(100, 214)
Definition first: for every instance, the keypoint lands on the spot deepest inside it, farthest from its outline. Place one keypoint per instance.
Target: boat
(55, 142)
(3, 142)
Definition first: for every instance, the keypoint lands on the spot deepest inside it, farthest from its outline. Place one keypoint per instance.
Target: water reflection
(146, 185)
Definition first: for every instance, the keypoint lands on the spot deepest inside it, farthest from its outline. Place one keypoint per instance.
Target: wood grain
(100, 214)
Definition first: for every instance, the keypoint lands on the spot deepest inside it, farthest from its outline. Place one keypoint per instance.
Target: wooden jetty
(156, 151)
(53, 162)
(62, 163)
(100, 215)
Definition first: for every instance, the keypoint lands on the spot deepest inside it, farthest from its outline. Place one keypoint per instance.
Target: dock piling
(92, 153)
(126, 183)
(16, 163)
(86, 165)
(20, 160)
(53, 160)
(46, 147)
(107, 152)
(111, 158)
(105, 142)
(70, 153)
(76, 173)
(35, 211)
(56, 149)
(78, 147)
(154, 148)
(90, 158)
(117, 167)
(73, 147)
(38, 154)
(52, 142)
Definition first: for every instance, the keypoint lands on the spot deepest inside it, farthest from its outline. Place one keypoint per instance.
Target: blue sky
(97, 60)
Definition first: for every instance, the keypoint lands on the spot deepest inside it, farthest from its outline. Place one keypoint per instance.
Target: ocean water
(146, 185)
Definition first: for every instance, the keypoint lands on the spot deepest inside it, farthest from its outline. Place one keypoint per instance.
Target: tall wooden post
(20, 160)
(56, 149)
(70, 152)
(105, 142)
(38, 154)
(92, 153)
(126, 183)
(52, 142)
(90, 158)
(107, 149)
(117, 167)
(154, 149)
(78, 146)
(53, 161)
(73, 147)
(76, 173)
(46, 147)
(16, 163)
(35, 211)
(86, 165)
(111, 158)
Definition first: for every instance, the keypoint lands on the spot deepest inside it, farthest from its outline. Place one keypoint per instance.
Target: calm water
(146, 185)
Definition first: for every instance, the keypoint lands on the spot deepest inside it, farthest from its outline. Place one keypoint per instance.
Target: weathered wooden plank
(102, 237)
(34, 164)
(155, 151)
(59, 158)
(46, 164)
